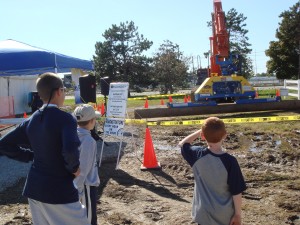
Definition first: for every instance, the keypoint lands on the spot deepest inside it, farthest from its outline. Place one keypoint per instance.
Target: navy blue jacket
(52, 138)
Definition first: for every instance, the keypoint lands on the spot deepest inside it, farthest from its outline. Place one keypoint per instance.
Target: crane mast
(219, 42)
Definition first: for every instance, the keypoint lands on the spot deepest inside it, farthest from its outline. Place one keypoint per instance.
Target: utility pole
(206, 55)
(199, 61)
(298, 19)
(255, 63)
(299, 59)
(193, 65)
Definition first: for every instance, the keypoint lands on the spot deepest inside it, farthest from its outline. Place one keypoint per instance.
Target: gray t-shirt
(88, 161)
(217, 179)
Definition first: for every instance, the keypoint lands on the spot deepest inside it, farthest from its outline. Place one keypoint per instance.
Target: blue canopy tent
(20, 65)
(17, 58)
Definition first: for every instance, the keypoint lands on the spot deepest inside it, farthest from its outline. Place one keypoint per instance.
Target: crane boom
(219, 42)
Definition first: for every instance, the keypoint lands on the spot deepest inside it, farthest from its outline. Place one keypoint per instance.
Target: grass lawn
(139, 101)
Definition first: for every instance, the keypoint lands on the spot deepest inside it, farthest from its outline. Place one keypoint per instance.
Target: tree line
(122, 55)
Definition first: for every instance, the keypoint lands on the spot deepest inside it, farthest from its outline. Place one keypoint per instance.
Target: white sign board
(118, 91)
(117, 100)
(115, 113)
(114, 127)
(116, 108)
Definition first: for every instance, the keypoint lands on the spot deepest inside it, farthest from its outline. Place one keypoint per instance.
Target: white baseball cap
(85, 112)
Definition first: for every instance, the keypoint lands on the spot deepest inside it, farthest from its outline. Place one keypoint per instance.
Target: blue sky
(72, 27)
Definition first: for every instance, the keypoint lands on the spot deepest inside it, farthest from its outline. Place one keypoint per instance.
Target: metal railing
(262, 82)
(293, 85)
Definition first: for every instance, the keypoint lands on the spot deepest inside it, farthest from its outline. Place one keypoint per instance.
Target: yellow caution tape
(156, 96)
(136, 121)
(199, 122)
(231, 120)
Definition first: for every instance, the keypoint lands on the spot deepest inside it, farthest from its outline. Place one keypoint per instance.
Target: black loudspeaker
(34, 101)
(104, 85)
(87, 88)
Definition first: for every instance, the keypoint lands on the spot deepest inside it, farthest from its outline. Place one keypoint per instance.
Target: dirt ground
(268, 154)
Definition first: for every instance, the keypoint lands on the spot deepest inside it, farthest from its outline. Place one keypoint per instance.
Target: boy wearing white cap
(88, 180)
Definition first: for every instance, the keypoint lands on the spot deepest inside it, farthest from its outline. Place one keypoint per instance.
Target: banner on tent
(7, 106)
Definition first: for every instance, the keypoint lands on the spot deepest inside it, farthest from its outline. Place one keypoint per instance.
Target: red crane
(219, 42)
(224, 82)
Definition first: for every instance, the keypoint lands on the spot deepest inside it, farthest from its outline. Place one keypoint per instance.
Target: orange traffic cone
(150, 161)
(256, 94)
(277, 93)
(162, 102)
(24, 115)
(170, 99)
(189, 98)
(185, 99)
(146, 104)
(102, 109)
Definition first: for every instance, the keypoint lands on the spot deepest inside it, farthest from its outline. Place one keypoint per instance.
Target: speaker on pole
(87, 85)
(104, 85)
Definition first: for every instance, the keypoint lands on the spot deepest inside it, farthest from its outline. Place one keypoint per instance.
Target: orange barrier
(150, 161)
(162, 102)
(189, 98)
(185, 100)
(102, 109)
(146, 104)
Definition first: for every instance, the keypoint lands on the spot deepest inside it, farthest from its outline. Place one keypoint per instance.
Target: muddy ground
(268, 154)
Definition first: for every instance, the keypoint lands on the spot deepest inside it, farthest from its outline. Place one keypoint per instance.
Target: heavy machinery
(224, 82)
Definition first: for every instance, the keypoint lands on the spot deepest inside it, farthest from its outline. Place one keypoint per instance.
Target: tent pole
(8, 86)
(55, 69)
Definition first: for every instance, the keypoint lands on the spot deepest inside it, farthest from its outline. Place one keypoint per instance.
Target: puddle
(167, 148)
(256, 149)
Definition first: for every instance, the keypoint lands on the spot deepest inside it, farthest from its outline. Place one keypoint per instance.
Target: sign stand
(115, 114)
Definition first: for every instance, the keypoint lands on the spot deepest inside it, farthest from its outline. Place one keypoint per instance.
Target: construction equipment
(224, 82)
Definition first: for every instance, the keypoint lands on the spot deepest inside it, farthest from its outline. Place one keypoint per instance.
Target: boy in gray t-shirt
(219, 182)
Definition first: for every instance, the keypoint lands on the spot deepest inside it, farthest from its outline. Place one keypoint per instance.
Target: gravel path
(11, 172)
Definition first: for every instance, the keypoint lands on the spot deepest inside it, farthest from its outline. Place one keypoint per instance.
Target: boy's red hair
(213, 129)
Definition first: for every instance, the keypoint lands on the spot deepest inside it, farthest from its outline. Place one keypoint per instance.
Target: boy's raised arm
(190, 138)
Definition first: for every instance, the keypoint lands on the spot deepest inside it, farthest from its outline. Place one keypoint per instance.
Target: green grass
(139, 101)
(135, 103)
(267, 92)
